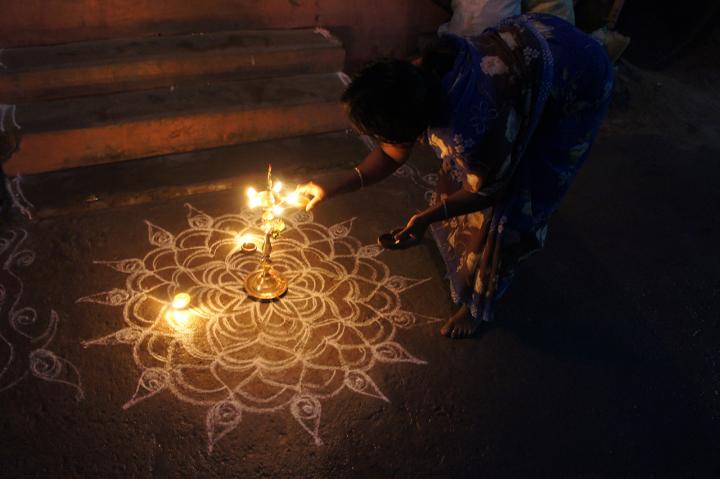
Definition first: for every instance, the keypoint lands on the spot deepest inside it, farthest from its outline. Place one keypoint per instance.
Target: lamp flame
(181, 301)
(293, 199)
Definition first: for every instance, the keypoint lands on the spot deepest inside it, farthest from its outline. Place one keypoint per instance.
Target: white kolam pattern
(25, 335)
(338, 320)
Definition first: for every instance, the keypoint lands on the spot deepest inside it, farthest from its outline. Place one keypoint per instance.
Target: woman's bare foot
(460, 325)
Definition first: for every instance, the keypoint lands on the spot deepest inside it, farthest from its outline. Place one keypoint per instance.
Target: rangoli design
(25, 336)
(338, 320)
(426, 182)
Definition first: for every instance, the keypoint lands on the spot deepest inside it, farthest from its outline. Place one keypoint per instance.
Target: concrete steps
(90, 103)
(82, 131)
(107, 66)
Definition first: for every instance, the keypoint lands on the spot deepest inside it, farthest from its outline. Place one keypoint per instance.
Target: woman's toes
(458, 326)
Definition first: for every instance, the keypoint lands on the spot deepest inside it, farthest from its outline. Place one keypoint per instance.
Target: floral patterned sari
(525, 102)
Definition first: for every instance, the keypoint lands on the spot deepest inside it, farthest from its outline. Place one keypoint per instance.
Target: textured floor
(603, 361)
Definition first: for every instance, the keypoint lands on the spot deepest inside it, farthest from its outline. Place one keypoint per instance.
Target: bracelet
(362, 181)
(445, 208)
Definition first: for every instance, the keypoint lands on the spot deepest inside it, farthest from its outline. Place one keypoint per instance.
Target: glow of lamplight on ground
(180, 319)
(240, 239)
(178, 316)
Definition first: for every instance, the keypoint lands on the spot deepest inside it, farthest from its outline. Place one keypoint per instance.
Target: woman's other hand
(313, 191)
(414, 231)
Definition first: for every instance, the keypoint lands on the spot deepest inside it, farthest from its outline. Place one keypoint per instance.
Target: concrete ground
(603, 360)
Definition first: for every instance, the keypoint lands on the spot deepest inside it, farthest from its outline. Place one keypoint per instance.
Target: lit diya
(246, 243)
(179, 315)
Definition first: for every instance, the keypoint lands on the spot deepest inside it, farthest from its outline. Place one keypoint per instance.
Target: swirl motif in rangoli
(25, 335)
(338, 320)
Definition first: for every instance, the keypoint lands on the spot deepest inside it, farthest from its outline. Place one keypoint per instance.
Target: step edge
(328, 80)
(9, 70)
(256, 107)
(15, 169)
(319, 32)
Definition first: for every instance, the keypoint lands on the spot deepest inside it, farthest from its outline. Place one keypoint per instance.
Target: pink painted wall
(367, 27)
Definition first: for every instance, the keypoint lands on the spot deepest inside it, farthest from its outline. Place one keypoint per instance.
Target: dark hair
(392, 100)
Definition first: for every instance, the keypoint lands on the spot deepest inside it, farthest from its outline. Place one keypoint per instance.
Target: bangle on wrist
(362, 181)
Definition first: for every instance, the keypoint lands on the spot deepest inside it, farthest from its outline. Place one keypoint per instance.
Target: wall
(367, 27)
(662, 33)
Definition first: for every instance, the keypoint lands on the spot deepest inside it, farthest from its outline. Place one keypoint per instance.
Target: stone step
(84, 131)
(107, 66)
(185, 174)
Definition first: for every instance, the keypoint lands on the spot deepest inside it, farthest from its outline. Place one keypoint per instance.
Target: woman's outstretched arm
(377, 165)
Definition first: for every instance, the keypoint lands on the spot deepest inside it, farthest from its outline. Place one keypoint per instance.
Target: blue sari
(525, 101)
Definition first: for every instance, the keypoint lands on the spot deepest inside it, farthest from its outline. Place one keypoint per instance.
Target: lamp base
(265, 285)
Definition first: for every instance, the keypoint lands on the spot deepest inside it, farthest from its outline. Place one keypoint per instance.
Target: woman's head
(392, 100)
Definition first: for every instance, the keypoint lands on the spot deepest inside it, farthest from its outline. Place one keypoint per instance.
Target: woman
(511, 114)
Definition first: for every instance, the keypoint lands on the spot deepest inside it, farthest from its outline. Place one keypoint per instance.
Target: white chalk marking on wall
(24, 335)
(325, 33)
(8, 111)
(17, 197)
(236, 356)
(344, 78)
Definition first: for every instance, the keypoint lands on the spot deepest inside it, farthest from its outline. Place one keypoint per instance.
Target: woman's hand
(314, 192)
(414, 231)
